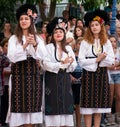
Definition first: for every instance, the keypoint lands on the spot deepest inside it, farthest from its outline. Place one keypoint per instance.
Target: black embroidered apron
(58, 93)
(95, 89)
(26, 87)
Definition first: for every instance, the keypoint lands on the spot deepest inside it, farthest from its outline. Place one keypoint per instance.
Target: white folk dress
(58, 115)
(87, 61)
(16, 54)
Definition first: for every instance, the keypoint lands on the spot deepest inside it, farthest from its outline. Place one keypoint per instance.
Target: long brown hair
(88, 36)
(63, 42)
(19, 32)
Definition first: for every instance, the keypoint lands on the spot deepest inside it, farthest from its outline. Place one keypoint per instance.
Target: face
(7, 26)
(107, 27)
(25, 22)
(44, 28)
(113, 42)
(118, 29)
(5, 47)
(78, 32)
(68, 23)
(58, 35)
(95, 27)
(74, 21)
(79, 23)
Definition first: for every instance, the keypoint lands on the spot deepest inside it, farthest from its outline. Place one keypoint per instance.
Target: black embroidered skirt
(58, 94)
(95, 89)
(26, 87)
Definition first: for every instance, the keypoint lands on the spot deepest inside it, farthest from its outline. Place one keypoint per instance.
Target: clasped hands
(67, 60)
(101, 57)
(30, 40)
(115, 66)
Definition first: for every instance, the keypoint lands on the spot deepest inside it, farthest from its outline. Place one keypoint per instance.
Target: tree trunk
(42, 7)
(52, 9)
(42, 10)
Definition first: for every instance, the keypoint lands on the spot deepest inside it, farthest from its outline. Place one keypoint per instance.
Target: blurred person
(107, 26)
(96, 54)
(78, 32)
(114, 75)
(118, 32)
(69, 36)
(72, 20)
(43, 33)
(76, 84)
(4, 62)
(65, 14)
(7, 30)
(80, 23)
(6, 73)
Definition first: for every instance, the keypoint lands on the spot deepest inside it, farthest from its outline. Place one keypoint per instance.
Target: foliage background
(8, 8)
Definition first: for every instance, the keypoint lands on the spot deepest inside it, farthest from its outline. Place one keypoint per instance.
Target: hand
(73, 79)
(68, 60)
(30, 39)
(112, 67)
(101, 57)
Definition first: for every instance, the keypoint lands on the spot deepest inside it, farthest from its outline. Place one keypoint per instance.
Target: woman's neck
(7, 34)
(25, 32)
(58, 44)
(96, 36)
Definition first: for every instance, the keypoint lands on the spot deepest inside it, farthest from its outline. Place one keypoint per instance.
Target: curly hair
(88, 36)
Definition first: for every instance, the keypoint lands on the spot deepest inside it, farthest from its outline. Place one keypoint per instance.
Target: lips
(58, 36)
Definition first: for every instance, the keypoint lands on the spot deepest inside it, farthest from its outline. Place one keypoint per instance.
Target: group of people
(79, 66)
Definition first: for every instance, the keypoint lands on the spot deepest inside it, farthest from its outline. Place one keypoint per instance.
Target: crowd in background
(58, 71)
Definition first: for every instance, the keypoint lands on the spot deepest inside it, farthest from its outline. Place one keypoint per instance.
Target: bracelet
(35, 45)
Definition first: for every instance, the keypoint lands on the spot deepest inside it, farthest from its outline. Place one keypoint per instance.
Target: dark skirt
(26, 87)
(58, 94)
(76, 93)
(95, 89)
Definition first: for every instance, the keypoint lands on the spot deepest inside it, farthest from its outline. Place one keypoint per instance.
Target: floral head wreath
(27, 9)
(100, 20)
(31, 14)
(60, 20)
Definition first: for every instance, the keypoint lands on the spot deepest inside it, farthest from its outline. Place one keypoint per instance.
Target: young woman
(78, 32)
(23, 49)
(6, 75)
(114, 75)
(4, 62)
(7, 30)
(58, 93)
(76, 84)
(95, 55)
(80, 23)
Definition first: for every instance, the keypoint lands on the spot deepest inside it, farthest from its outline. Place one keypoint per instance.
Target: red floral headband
(100, 20)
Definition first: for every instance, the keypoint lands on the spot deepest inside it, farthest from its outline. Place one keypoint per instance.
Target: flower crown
(97, 18)
(59, 23)
(31, 14)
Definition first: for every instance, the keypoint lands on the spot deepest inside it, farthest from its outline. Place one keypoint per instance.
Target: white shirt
(117, 59)
(52, 65)
(90, 64)
(16, 52)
